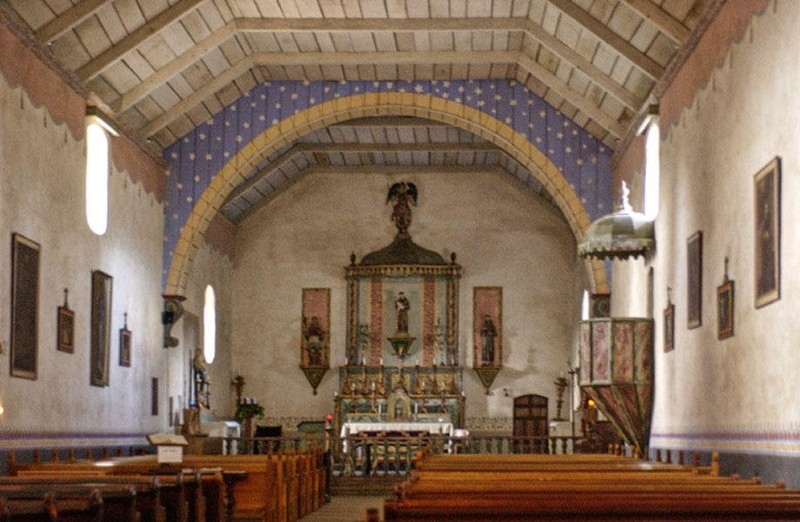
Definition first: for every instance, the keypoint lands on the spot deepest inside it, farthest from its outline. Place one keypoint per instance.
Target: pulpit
(616, 372)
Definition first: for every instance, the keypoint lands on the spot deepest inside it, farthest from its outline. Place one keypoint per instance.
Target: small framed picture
(66, 330)
(669, 328)
(725, 310)
(125, 347)
(154, 396)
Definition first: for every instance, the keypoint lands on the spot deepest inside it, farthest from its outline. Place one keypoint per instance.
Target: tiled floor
(345, 509)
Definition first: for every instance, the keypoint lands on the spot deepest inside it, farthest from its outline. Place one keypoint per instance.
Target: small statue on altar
(402, 305)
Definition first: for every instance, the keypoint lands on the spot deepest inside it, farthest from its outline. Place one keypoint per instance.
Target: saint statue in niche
(401, 306)
(402, 195)
(314, 334)
(488, 334)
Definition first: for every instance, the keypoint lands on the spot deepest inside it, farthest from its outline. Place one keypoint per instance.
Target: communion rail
(381, 454)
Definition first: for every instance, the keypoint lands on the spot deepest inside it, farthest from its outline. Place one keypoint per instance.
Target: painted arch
(197, 188)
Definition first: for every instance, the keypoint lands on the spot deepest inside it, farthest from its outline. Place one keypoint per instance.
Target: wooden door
(530, 420)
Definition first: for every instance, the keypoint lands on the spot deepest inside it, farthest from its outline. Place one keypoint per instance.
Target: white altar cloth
(434, 428)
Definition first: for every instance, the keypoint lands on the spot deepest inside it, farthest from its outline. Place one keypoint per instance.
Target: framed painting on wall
(725, 310)
(315, 334)
(24, 306)
(100, 328)
(315, 338)
(694, 277)
(669, 327)
(767, 188)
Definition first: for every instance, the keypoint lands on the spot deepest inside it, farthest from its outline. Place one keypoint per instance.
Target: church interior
(560, 223)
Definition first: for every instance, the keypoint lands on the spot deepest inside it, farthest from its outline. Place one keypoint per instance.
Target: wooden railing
(393, 455)
(358, 454)
(270, 445)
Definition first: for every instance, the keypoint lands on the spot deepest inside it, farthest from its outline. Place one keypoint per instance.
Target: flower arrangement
(248, 408)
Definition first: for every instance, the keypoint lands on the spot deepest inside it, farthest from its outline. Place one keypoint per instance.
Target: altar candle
(381, 361)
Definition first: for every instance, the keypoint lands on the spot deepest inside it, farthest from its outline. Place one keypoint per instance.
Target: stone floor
(346, 509)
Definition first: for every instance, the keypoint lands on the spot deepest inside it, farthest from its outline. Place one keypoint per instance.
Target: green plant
(246, 411)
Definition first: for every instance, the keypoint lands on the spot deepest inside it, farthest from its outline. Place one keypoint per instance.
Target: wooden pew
(279, 488)
(549, 487)
(179, 497)
(595, 508)
(68, 504)
(153, 501)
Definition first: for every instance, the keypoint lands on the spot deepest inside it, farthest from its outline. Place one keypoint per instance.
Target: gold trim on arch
(337, 110)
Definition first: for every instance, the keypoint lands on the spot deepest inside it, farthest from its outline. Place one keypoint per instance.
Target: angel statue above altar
(403, 195)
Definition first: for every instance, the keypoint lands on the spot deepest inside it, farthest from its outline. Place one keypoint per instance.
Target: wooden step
(369, 486)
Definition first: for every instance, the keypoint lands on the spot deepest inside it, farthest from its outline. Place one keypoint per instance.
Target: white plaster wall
(42, 197)
(708, 391)
(502, 234)
(210, 267)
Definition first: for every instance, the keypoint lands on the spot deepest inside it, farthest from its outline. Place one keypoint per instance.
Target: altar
(402, 372)
(379, 430)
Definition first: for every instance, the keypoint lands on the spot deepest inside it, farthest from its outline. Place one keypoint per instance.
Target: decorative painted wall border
(42, 86)
(781, 441)
(27, 439)
(490, 424)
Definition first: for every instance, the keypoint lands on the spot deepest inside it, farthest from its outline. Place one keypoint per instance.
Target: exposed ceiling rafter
(115, 53)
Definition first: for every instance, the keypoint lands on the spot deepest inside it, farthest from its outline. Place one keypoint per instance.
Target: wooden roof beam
(595, 74)
(333, 148)
(640, 60)
(665, 23)
(59, 26)
(115, 53)
(536, 31)
(172, 69)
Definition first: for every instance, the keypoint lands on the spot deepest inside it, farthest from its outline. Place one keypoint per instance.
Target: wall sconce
(173, 310)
